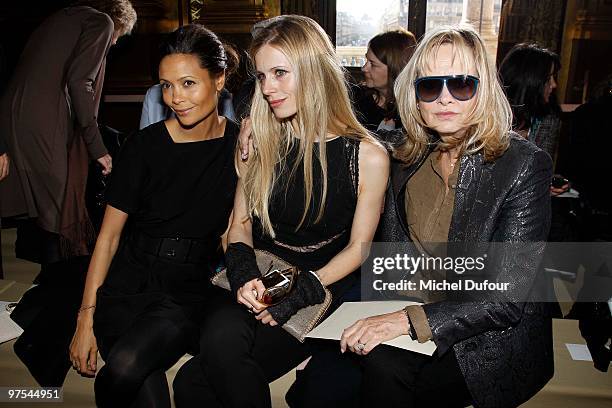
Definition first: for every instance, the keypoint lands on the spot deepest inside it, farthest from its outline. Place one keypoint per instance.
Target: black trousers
(47, 313)
(239, 357)
(387, 377)
(134, 374)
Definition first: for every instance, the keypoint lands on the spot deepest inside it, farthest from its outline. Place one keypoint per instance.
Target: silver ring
(360, 346)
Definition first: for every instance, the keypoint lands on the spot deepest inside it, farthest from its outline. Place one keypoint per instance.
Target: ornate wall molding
(228, 16)
(538, 21)
(593, 20)
(587, 45)
(301, 7)
(155, 16)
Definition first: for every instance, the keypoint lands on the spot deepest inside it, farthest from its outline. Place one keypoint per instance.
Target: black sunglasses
(461, 87)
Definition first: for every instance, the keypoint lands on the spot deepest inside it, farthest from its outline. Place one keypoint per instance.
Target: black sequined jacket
(504, 349)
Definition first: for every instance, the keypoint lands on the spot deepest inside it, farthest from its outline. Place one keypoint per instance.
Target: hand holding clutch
(295, 316)
(307, 290)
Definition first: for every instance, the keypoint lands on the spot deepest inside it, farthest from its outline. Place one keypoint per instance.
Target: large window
(442, 12)
(359, 20)
(483, 15)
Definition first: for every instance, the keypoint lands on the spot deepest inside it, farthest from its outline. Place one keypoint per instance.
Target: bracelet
(317, 276)
(83, 308)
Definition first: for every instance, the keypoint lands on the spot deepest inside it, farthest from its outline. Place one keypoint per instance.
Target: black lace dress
(314, 243)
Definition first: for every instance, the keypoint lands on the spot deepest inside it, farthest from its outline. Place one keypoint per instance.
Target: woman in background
(48, 120)
(387, 54)
(148, 279)
(49, 123)
(529, 76)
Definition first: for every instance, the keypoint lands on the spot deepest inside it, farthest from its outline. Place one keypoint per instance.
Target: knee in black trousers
(191, 387)
(224, 364)
(226, 336)
(393, 377)
(136, 362)
(121, 375)
(239, 357)
(329, 380)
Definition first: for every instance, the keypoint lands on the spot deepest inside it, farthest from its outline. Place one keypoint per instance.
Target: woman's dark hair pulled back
(195, 39)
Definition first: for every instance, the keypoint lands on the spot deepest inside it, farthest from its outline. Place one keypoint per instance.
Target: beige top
(429, 210)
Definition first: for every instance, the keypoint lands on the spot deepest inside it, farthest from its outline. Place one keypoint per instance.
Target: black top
(175, 189)
(368, 112)
(169, 190)
(590, 140)
(315, 243)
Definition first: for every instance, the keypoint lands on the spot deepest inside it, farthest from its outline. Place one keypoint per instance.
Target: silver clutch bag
(301, 323)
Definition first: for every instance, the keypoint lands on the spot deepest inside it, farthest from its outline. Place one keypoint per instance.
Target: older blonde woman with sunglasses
(460, 176)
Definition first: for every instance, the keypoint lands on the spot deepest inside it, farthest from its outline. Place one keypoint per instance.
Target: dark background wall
(579, 30)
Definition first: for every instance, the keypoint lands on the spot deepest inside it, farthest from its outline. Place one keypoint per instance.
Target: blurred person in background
(49, 125)
(387, 54)
(48, 122)
(590, 138)
(529, 77)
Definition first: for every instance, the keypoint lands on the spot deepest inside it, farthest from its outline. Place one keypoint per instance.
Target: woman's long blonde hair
(490, 121)
(323, 107)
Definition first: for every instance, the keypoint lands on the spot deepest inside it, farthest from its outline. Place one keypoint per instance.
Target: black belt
(177, 249)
